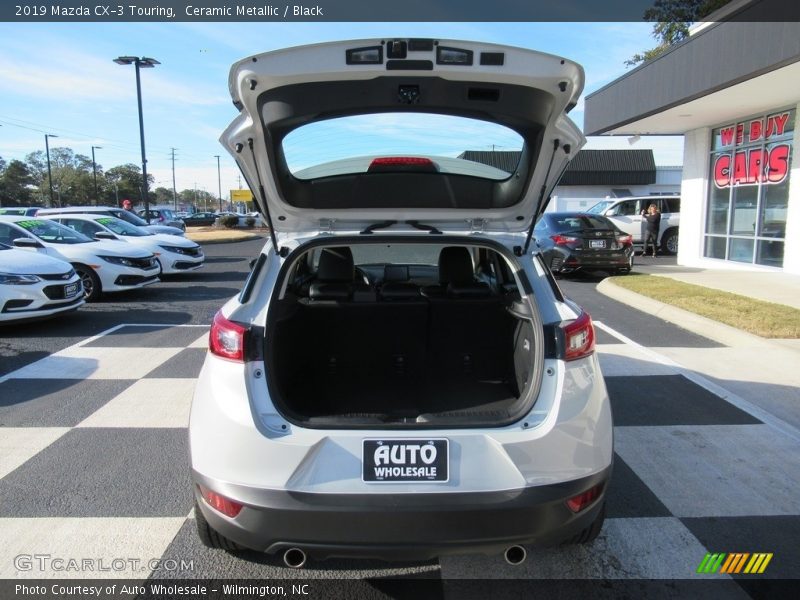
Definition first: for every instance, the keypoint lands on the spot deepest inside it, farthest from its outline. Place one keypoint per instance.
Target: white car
(101, 266)
(400, 376)
(174, 254)
(114, 211)
(626, 213)
(33, 286)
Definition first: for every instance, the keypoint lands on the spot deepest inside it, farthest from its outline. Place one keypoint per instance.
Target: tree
(673, 18)
(71, 174)
(200, 199)
(125, 181)
(161, 195)
(15, 183)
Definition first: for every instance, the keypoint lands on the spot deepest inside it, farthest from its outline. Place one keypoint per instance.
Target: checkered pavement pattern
(94, 463)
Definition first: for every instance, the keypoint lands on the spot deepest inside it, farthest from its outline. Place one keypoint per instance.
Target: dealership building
(732, 89)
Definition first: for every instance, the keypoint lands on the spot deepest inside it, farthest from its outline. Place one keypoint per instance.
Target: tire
(210, 537)
(588, 535)
(92, 288)
(629, 268)
(669, 241)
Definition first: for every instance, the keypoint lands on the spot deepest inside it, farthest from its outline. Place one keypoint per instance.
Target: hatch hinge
(326, 226)
(477, 225)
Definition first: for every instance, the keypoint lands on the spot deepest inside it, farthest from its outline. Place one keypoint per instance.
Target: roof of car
(78, 209)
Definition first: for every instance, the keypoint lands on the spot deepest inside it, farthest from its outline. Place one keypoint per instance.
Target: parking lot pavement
(96, 465)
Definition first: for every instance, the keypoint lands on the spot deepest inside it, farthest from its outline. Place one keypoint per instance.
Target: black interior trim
(479, 390)
(524, 110)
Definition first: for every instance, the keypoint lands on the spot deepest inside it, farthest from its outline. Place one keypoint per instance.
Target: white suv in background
(626, 213)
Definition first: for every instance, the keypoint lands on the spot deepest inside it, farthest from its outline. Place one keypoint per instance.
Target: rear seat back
(335, 275)
(461, 306)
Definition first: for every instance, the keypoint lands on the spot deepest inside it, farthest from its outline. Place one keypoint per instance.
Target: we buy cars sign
(761, 163)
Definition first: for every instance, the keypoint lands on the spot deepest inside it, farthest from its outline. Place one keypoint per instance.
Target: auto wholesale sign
(758, 153)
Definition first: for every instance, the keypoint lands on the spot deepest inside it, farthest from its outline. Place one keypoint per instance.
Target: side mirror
(27, 243)
(104, 235)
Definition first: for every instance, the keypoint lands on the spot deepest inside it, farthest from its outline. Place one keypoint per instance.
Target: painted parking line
(739, 402)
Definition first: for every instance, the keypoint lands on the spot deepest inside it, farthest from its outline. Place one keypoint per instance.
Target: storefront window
(715, 246)
(749, 189)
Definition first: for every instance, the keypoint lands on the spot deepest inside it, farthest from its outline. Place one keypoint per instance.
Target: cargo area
(400, 343)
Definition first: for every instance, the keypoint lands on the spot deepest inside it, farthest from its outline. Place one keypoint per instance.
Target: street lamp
(94, 171)
(219, 183)
(140, 63)
(49, 173)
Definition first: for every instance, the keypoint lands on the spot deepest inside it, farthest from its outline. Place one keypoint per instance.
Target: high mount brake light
(402, 163)
(579, 337)
(227, 338)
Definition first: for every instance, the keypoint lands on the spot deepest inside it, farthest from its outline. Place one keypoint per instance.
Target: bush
(230, 221)
(250, 221)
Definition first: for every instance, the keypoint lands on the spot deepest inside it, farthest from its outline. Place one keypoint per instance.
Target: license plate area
(70, 289)
(420, 460)
(597, 243)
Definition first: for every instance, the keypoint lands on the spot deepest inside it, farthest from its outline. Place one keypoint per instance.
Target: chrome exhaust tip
(515, 555)
(294, 558)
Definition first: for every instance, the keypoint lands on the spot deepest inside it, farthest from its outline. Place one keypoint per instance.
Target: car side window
(87, 228)
(672, 205)
(625, 209)
(8, 234)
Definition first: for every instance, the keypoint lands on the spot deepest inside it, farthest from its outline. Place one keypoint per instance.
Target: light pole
(140, 63)
(49, 173)
(94, 171)
(219, 183)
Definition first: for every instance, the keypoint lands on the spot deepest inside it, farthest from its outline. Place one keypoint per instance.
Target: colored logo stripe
(735, 562)
(711, 563)
(759, 562)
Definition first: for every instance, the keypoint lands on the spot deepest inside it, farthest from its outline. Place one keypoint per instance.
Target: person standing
(653, 225)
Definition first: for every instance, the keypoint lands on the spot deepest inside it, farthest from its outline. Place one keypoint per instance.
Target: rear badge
(398, 461)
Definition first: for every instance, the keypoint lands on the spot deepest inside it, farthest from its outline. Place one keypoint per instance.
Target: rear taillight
(226, 339)
(577, 503)
(218, 502)
(579, 337)
(565, 240)
(625, 240)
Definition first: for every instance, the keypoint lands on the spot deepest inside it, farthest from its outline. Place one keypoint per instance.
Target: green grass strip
(765, 319)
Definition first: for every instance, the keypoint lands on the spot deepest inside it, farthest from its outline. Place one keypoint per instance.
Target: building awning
(719, 74)
(589, 167)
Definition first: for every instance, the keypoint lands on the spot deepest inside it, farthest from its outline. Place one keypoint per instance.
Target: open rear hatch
(370, 136)
(409, 90)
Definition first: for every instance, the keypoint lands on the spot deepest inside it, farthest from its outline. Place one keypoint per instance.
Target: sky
(60, 78)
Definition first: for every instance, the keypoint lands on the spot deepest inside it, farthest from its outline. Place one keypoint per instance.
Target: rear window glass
(579, 222)
(456, 145)
(386, 254)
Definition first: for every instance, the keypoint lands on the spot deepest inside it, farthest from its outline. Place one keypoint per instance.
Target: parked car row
(87, 254)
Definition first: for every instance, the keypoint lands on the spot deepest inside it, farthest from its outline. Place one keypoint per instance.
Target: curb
(719, 332)
(233, 240)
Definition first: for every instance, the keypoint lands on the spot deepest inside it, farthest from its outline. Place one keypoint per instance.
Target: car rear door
(627, 216)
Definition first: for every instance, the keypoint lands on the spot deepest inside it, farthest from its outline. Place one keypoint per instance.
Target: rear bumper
(562, 261)
(402, 526)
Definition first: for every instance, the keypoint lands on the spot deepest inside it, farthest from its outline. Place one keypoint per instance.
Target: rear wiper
(375, 226)
(424, 227)
(415, 224)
